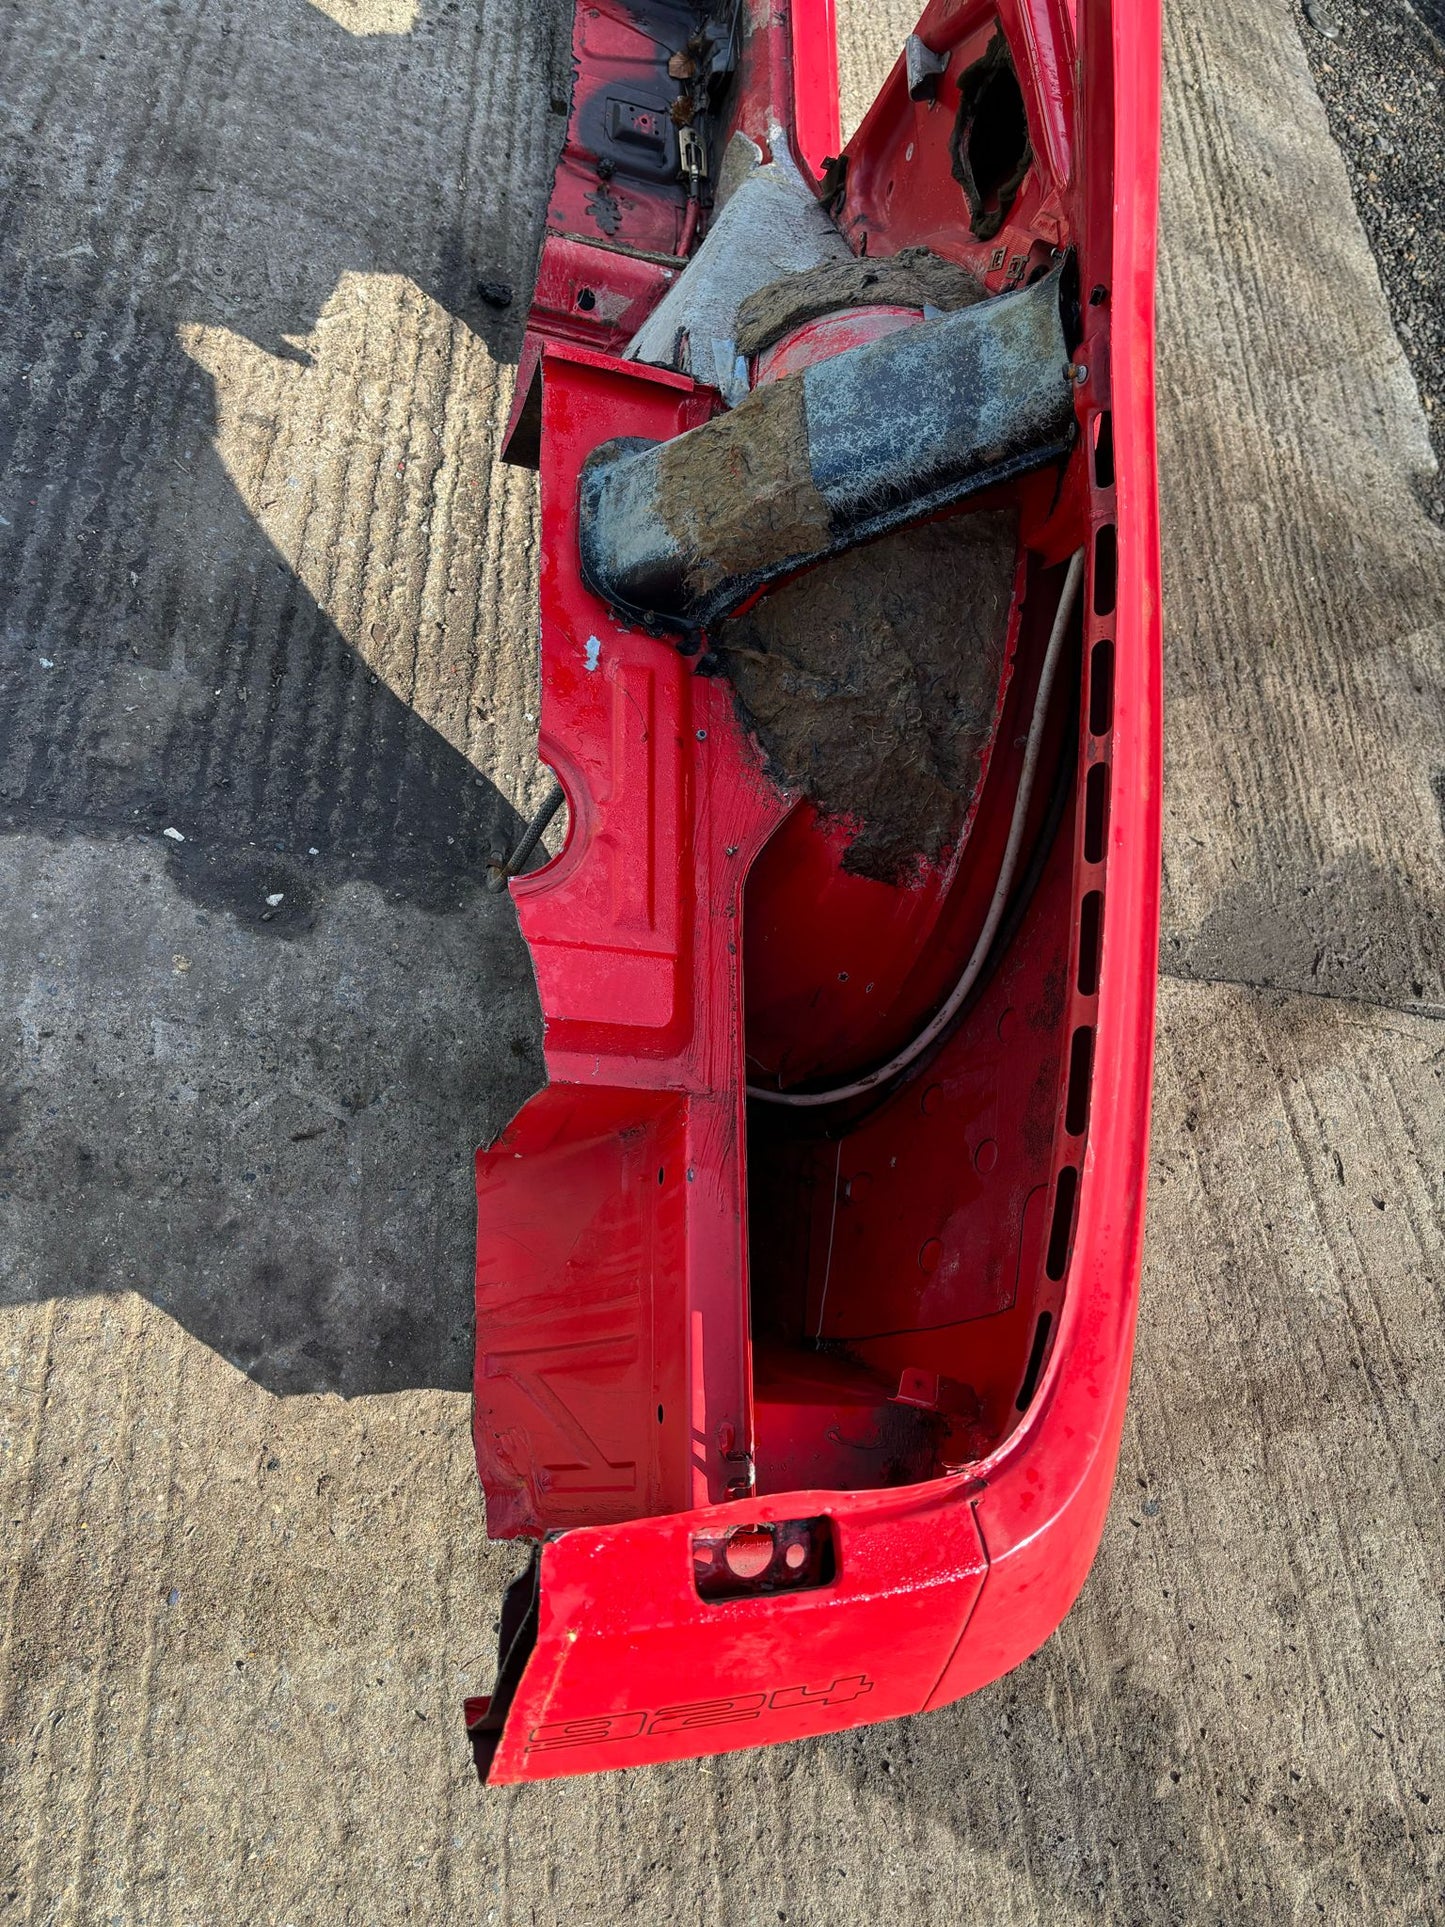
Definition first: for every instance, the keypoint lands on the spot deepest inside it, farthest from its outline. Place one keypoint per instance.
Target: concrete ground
(262, 583)
(1379, 66)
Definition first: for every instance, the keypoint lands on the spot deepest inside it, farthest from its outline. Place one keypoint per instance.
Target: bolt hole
(586, 300)
(749, 1552)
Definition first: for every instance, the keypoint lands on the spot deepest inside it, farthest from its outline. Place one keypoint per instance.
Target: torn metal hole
(990, 145)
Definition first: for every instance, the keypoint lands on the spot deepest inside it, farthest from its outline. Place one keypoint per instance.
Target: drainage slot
(1061, 1231)
(1096, 802)
(1091, 925)
(1106, 570)
(1104, 450)
(1036, 1360)
(1081, 1064)
(1101, 688)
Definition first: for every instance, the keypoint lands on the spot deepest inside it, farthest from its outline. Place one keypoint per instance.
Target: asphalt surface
(1379, 66)
(249, 413)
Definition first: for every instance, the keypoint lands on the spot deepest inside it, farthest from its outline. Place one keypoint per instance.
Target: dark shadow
(225, 164)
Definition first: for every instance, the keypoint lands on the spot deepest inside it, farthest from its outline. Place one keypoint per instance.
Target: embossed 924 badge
(730, 1709)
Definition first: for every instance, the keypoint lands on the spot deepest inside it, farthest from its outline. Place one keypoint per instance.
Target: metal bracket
(925, 69)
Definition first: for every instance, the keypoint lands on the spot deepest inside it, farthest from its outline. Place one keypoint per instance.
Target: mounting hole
(749, 1553)
(586, 300)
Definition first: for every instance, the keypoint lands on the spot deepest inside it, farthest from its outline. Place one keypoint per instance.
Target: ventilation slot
(1106, 570)
(1104, 450)
(1061, 1230)
(1036, 1360)
(1091, 926)
(1096, 806)
(1101, 688)
(1081, 1064)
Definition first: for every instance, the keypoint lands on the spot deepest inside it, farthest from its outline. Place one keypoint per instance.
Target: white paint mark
(594, 653)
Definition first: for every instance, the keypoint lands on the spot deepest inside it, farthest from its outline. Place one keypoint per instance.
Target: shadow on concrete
(160, 663)
(225, 166)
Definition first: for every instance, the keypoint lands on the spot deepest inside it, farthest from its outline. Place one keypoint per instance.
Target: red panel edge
(1048, 1489)
(1039, 1504)
(663, 1675)
(816, 130)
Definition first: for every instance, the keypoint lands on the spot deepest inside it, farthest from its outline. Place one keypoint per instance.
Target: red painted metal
(619, 54)
(816, 133)
(612, 1340)
(816, 1426)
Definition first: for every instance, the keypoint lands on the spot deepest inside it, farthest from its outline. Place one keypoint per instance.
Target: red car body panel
(631, 1419)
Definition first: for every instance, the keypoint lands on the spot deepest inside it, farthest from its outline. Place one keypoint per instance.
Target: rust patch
(737, 495)
(606, 210)
(914, 278)
(871, 682)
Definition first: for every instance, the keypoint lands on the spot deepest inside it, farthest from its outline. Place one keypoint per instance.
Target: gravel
(1381, 74)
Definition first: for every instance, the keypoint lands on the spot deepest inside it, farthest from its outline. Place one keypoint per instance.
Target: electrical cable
(939, 1023)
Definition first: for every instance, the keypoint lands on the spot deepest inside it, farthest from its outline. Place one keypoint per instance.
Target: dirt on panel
(871, 682)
